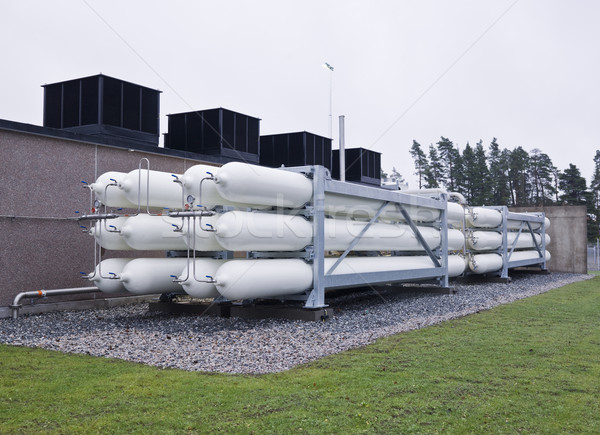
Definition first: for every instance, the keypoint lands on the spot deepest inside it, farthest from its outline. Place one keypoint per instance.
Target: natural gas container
(107, 273)
(480, 217)
(485, 263)
(164, 190)
(516, 224)
(146, 276)
(248, 279)
(257, 231)
(107, 233)
(196, 277)
(201, 175)
(107, 191)
(240, 182)
(147, 232)
(490, 240)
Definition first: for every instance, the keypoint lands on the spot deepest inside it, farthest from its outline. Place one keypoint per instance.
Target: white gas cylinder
(146, 276)
(524, 240)
(244, 183)
(516, 224)
(209, 198)
(365, 208)
(528, 255)
(108, 234)
(148, 232)
(256, 231)
(249, 279)
(196, 277)
(107, 273)
(485, 263)
(480, 217)
(107, 191)
(153, 188)
(202, 238)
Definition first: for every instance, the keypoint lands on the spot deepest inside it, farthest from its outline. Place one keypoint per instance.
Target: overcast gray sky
(523, 71)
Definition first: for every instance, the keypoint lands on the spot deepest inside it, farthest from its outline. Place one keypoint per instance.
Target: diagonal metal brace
(537, 246)
(512, 247)
(418, 234)
(357, 238)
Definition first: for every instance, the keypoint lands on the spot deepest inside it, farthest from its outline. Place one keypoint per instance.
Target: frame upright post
(316, 298)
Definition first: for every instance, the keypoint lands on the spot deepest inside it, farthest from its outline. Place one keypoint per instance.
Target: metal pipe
(45, 293)
(461, 199)
(342, 149)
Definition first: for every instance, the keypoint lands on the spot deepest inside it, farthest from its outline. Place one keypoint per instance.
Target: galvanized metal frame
(506, 251)
(322, 184)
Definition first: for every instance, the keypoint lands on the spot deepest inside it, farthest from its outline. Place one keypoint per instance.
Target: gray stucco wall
(40, 189)
(568, 233)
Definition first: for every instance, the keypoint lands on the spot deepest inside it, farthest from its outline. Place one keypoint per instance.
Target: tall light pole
(330, 68)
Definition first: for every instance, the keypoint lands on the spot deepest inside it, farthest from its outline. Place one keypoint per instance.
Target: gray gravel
(202, 343)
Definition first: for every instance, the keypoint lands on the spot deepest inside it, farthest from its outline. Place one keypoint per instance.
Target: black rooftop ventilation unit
(104, 106)
(218, 132)
(362, 166)
(295, 149)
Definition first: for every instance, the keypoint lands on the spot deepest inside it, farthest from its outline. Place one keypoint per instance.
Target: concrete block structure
(568, 232)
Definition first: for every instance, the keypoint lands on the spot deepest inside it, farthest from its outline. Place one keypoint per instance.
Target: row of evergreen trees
(503, 177)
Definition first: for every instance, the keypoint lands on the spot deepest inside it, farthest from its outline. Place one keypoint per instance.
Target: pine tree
(518, 179)
(433, 175)
(595, 183)
(573, 186)
(421, 162)
(450, 163)
(482, 190)
(498, 161)
(470, 174)
(541, 172)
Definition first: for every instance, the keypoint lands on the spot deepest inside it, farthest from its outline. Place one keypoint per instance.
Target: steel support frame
(321, 279)
(507, 251)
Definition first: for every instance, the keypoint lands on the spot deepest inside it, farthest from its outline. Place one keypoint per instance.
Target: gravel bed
(203, 343)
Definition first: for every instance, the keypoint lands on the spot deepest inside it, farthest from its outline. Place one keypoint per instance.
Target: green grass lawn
(531, 366)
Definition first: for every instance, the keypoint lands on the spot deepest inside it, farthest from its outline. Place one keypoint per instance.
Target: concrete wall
(568, 233)
(40, 190)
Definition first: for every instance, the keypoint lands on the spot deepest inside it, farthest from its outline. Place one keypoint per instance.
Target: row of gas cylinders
(484, 239)
(248, 279)
(238, 230)
(244, 187)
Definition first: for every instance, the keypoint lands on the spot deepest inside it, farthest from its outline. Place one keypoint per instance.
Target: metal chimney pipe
(342, 150)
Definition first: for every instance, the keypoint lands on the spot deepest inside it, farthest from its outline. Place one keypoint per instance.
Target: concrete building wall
(568, 233)
(41, 246)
